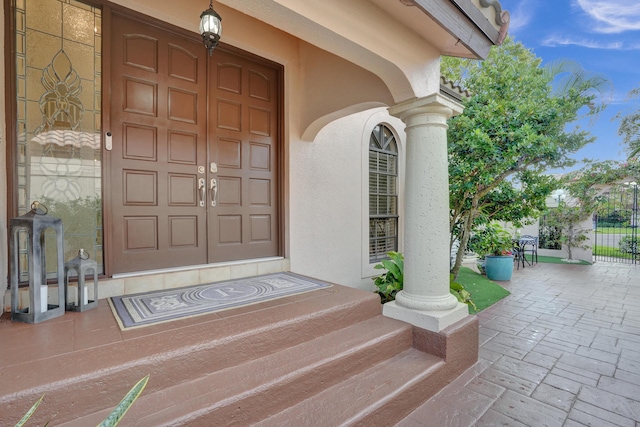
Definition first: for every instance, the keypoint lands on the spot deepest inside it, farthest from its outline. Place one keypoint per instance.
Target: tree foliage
(586, 190)
(568, 75)
(514, 127)
(630, 128)
(567, 218)
(586, 184)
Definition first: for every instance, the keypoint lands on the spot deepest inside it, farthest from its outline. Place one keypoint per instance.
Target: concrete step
(325, 359)
(249, 392)
(93, 381)
(375, 396)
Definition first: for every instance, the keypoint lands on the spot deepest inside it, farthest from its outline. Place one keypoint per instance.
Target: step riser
(402, 402)
(383, 397)
(288, 391)
(457, 345)
(343, 364)
(78, 396)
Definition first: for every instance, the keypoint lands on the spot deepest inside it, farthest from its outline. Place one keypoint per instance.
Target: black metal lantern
(210, 28)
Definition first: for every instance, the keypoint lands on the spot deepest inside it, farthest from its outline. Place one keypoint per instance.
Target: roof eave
(468, 24)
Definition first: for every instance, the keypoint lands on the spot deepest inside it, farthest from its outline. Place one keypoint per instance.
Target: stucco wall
(328, 206)
(577, 253)
(325, 181)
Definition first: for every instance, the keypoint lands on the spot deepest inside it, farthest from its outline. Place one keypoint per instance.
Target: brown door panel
(159, 129)
(194, 162)
(243, 138)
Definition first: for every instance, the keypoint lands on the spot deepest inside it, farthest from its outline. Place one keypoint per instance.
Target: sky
(601, 35)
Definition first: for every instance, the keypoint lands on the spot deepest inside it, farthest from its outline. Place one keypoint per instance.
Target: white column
(425, 301)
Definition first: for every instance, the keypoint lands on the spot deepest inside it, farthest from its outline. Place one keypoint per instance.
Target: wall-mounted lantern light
(210, 28)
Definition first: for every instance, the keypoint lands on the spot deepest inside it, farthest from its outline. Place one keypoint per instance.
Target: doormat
(148, 308)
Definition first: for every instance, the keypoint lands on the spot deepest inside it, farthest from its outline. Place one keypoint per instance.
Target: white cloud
(612, 16)
(521, 17)
(554, 41)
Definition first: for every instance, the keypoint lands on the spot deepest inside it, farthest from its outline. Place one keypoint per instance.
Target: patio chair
(518, 254)
(529, 240)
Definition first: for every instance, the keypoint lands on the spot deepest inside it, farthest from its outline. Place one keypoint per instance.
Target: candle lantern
(82, 265)
(35, 223)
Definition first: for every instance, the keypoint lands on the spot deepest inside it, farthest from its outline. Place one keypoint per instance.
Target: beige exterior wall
(577, 253)
(335, 91)
(329, 196)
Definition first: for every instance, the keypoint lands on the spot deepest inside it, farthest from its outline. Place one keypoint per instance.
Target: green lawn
(610, 251)
(614, 230)
(558, 260)
(484, 292)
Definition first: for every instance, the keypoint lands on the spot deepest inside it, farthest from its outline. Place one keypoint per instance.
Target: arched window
(383, 193)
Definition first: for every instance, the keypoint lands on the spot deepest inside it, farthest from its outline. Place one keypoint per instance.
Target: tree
(585, 188)
(630, 128)
(586, 184)
(569, 75)
(567, 218)
(514, 128)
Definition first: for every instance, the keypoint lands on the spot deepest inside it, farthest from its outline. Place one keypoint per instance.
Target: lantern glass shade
(210, 22)
(210, 28)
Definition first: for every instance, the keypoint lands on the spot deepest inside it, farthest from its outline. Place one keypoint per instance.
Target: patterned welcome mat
(148, 308)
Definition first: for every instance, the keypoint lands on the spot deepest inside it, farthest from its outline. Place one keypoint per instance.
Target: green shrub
(629, 245)
(391, 282)
(491, 240)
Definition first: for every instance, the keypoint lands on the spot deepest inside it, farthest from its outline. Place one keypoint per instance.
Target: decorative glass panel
(58, 71)
(383, 193)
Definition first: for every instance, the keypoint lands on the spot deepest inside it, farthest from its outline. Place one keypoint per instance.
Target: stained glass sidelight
(58, 85)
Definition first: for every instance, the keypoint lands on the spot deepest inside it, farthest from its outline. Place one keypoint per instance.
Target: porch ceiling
(397, 40)
(453, 27)
(391, 38)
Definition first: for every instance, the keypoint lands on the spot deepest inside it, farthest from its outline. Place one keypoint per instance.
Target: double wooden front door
(193, 164)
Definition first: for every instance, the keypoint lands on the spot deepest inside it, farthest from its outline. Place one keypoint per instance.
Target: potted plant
(494, 244)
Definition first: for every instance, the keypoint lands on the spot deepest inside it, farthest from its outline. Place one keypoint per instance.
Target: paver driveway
(562, 350)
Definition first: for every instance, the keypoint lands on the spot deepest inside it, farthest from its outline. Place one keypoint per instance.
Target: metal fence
(616, 225)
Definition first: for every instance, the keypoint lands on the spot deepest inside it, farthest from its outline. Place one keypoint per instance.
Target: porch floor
(74, 331)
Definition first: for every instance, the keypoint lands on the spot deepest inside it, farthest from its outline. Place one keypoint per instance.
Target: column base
(434, 321)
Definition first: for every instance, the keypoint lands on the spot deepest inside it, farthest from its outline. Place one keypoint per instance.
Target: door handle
(202, 190)
(214, 191)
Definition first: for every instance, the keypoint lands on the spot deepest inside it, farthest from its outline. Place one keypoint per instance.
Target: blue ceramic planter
(499, 267)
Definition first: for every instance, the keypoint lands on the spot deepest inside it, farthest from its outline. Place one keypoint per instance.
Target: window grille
(383, 193)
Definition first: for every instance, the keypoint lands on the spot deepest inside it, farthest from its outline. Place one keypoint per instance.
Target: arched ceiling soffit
(332, 87)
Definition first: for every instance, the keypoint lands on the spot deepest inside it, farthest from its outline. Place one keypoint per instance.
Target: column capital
(434, 104)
